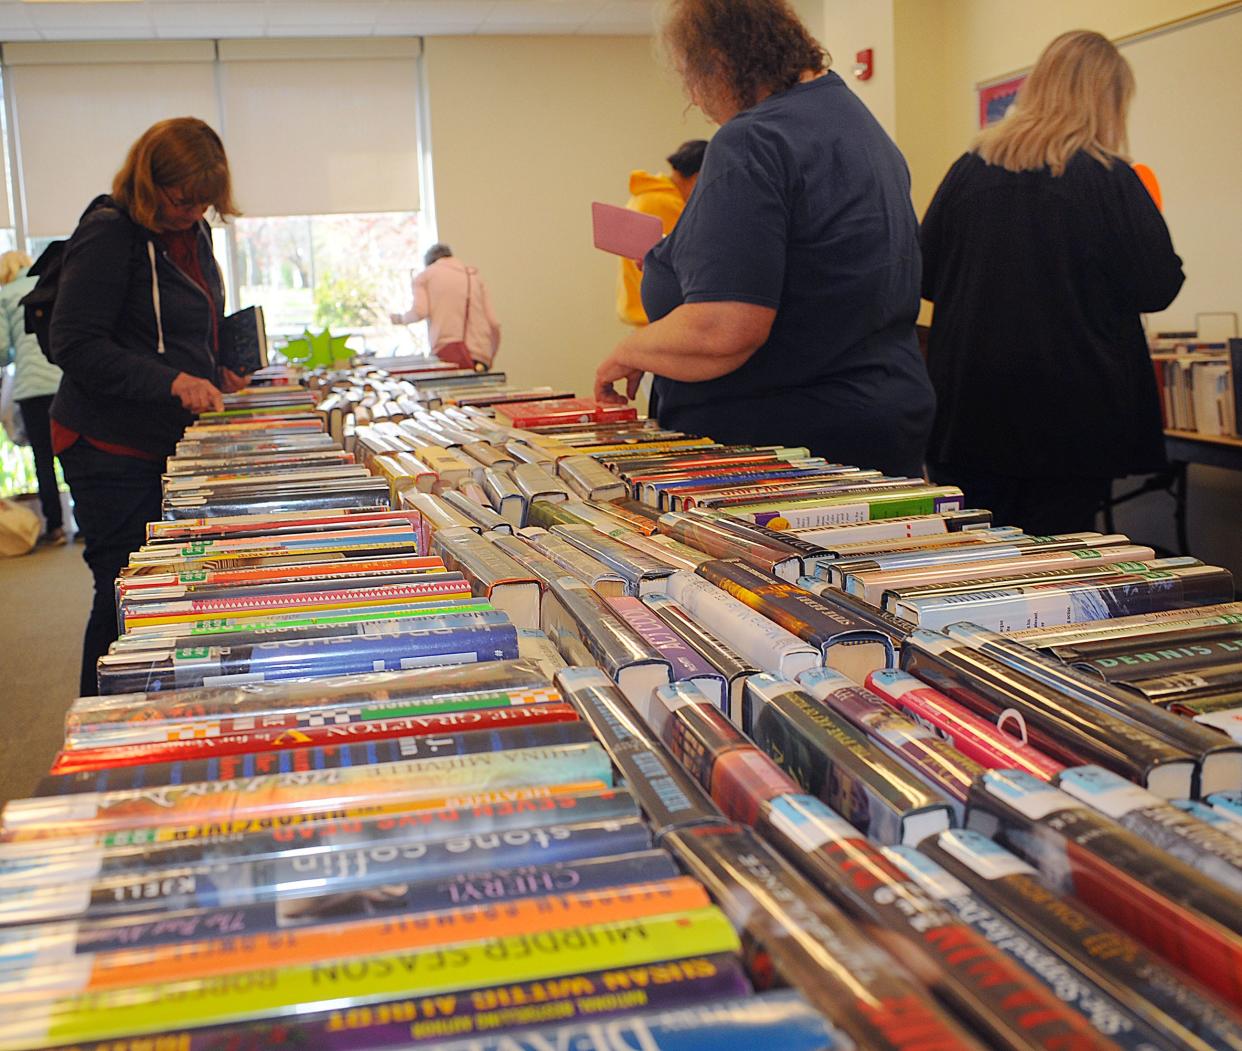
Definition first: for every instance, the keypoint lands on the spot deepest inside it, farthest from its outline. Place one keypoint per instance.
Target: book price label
(1105, 791)
(935, 881)
(981, 855)
(1028, 795)
(808, 822)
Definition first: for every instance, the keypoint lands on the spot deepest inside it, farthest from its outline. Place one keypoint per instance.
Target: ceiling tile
(89, 17)
(206, 18)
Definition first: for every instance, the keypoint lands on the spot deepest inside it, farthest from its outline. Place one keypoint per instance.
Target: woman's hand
(608, 373)
(197, 394)
(232, 382)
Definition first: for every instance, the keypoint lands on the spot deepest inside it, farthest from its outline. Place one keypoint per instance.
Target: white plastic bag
(19, 529)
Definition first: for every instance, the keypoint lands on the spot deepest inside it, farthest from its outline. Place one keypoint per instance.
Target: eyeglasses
(180, 202)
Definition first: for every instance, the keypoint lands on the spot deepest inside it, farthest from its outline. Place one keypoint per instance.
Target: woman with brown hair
(783, 304)
(135, 328)
(1040, 250)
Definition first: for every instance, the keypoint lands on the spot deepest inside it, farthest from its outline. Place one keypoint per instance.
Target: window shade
(321, 127)
(78, 108)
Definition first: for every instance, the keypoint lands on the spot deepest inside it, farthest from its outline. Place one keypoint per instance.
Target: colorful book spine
(477, 1015)
(1193, 922)
(981, 740)
(845, 641)
(1129, 997)
(1009, 1009)
(316, 757)
(1059, 727)
(303, 790)
(1219, 762)
(686, 663)
(836, 762)
(917, 747)
(841, 970)
(381, 689)
(501, 819)
(286, 878)
(757, 639)
(483, 637)
(265, 993)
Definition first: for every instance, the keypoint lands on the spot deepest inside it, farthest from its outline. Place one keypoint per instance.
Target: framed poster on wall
(995, 99)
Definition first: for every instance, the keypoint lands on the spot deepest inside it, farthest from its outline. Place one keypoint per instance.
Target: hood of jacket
(646, 182)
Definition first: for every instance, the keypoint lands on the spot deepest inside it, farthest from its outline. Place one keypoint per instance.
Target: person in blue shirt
(783, 304)
(35, 380)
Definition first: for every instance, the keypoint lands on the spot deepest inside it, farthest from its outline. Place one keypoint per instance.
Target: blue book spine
(474, 888)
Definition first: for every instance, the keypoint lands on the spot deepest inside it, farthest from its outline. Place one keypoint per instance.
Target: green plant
(346, 301)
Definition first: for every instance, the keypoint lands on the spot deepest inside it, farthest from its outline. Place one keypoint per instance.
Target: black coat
(117, 385)
(1036, 351)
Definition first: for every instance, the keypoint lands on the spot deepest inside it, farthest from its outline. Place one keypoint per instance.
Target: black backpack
(39, 301)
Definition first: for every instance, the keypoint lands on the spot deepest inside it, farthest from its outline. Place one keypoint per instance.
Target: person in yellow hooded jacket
(663, 196)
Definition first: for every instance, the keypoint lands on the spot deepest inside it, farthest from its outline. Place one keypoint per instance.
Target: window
(342, 272)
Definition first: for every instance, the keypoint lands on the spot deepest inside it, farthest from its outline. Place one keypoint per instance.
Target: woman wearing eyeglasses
(135, 328)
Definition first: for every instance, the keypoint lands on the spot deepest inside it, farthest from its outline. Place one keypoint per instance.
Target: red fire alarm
(864, 64)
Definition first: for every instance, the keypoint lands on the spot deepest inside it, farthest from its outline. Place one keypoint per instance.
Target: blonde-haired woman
(35, 380)
(1041, 249)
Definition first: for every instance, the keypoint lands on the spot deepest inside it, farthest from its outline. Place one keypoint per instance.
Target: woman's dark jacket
(117, 385)
(1037, 350)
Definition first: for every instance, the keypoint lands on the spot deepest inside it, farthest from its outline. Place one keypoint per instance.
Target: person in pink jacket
(453, 300)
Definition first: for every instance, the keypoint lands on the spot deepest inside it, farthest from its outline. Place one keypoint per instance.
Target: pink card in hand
(624, 232)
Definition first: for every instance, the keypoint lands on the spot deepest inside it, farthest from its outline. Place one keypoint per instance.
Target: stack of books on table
(566, 730)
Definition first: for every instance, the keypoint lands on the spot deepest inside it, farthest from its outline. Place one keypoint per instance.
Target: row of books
(470, 847)
(1199, 387)
(382, 859)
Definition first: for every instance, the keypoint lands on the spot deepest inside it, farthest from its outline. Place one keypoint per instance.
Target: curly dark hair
(754, 47)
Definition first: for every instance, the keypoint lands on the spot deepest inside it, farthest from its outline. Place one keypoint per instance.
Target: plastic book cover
(178, 1004)
(838, 966)
(846, 642)
(353, 750)
(1058, 726)
(310, 790)
(918, 747)
(643, 574)
(1009, 1009)
(472, 638)
(687, 663)
(718, 654)
(753, 636)
(838, 763)
(1177, 1007)
(479, 1013)
(975, 737)
(669, 797)
(1193, 922)
(1220, 762)
(1091, 995)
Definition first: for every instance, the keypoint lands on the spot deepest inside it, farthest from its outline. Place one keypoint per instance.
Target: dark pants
(1041, 506)
(114, 497)
(39, 430)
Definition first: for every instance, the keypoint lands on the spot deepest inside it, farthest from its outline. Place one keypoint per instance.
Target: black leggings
(39, 430)
(114, 497)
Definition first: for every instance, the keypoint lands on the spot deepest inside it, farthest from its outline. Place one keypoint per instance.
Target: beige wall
(526, 132)
(850, 26)
(955, 44)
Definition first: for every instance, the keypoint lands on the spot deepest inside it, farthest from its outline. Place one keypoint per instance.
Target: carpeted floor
(46, 596)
